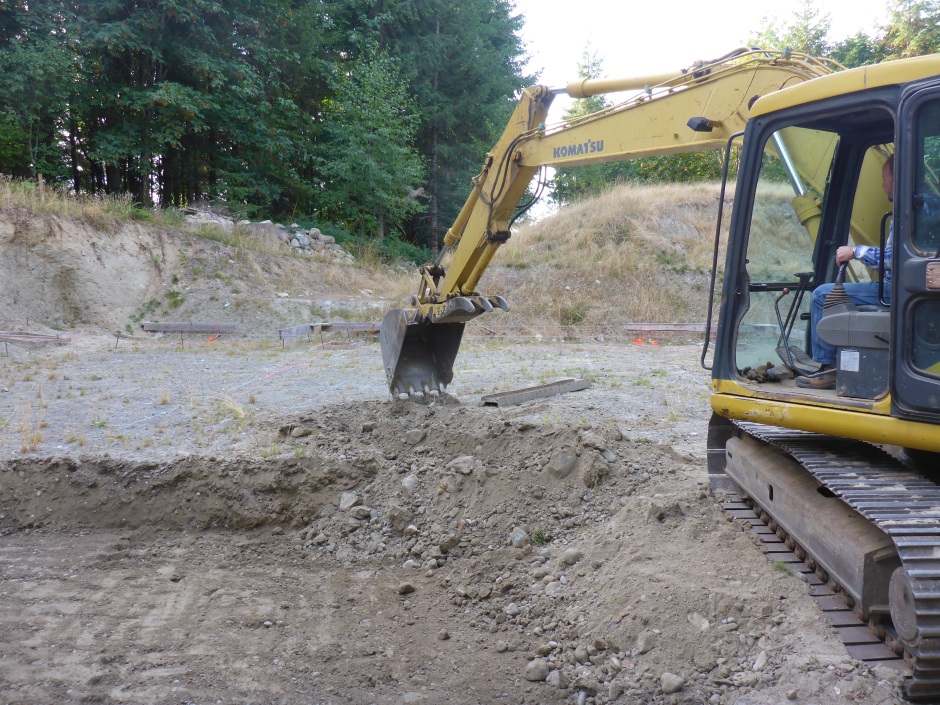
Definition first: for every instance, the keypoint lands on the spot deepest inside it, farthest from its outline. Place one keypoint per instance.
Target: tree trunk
(73, 152)
(435, 233)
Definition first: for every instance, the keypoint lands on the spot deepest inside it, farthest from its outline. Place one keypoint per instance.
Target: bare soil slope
(60, 272)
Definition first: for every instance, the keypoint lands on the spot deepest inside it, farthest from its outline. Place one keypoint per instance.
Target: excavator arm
(695, 109)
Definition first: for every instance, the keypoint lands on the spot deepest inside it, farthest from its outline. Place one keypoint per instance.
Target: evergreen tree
(369, 166)
(463, 63)
(806, 32)
(913, 29)
(176, 91)
(858, 50)
(37, 75)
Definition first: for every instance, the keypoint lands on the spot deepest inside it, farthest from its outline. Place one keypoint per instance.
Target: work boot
(824, 379)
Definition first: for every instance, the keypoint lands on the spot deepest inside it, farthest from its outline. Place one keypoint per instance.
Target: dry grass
(634, 254)
(230, 407)
(103, 212)
(29, 426)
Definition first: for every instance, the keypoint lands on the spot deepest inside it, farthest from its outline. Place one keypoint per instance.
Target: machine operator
(861, 294)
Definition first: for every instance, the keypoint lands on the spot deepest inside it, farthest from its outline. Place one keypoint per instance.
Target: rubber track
(903, 504)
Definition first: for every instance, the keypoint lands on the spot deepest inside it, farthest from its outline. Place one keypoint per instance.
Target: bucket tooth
(458, 309)
(483, 304)
(499, 302)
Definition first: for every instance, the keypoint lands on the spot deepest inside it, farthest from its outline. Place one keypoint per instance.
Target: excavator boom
(694, 109)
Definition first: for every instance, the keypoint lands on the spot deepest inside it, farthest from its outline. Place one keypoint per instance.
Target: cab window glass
(793, 177)
(926, 231)
(925, 346)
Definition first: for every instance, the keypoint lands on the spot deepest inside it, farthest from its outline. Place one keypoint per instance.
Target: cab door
(916, 257)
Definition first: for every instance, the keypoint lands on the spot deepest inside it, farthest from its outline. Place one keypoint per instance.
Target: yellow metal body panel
(863, 424)
(887, 74)
(871, 202)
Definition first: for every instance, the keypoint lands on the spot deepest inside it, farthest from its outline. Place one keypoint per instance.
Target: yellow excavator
(843, 473)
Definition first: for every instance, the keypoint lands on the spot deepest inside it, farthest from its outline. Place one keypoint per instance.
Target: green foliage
(368, 164)
(574, 183)
(174, 299)
(37, 74)
(463, 64)
(858, 50)
(342, 109)
(913, 29)
(540, 537)
(806, 32)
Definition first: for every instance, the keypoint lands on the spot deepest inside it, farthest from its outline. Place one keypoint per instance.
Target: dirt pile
(476, 554)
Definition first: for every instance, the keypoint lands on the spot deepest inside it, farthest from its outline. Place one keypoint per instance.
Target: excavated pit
(391, 551)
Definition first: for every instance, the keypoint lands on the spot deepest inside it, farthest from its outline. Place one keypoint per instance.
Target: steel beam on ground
(542, 391)
(32, 338)
(667, 327)
(349, 327)
(309, 328)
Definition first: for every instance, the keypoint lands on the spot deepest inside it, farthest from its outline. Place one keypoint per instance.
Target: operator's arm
(869, 256)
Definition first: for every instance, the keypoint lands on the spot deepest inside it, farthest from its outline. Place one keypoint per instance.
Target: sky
(642, 37)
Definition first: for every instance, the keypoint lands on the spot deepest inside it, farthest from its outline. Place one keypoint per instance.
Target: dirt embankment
(58, 272)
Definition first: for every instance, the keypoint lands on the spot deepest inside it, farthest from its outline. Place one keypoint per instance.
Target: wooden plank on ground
(195, 327)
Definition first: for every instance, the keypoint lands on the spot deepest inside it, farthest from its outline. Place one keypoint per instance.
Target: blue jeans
(860, 294)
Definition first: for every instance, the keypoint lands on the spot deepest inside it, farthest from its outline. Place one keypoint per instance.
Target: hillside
(66, 264)
(636, 254)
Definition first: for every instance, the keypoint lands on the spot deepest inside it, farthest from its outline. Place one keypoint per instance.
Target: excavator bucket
(418, 356)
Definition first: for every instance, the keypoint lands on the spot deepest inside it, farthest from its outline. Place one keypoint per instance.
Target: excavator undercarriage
(856, 512)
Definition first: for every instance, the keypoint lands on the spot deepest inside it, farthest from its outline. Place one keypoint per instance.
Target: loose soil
(239, 522)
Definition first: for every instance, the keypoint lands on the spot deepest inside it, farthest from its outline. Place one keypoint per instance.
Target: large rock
(646, 641)
(415, 436)
(537, 670)
(464, 464)
(399, 518)
(593, 469)
(448, 542)
(410, 482)
(361, 513)
(671, 683)
(562, 464)
(348, 500)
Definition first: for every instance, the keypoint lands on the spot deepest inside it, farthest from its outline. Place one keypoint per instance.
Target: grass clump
(540, 537)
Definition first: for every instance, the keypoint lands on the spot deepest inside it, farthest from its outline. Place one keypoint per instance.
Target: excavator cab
(813, 186)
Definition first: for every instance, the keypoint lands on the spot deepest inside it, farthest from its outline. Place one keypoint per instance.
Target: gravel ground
(155, 398)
